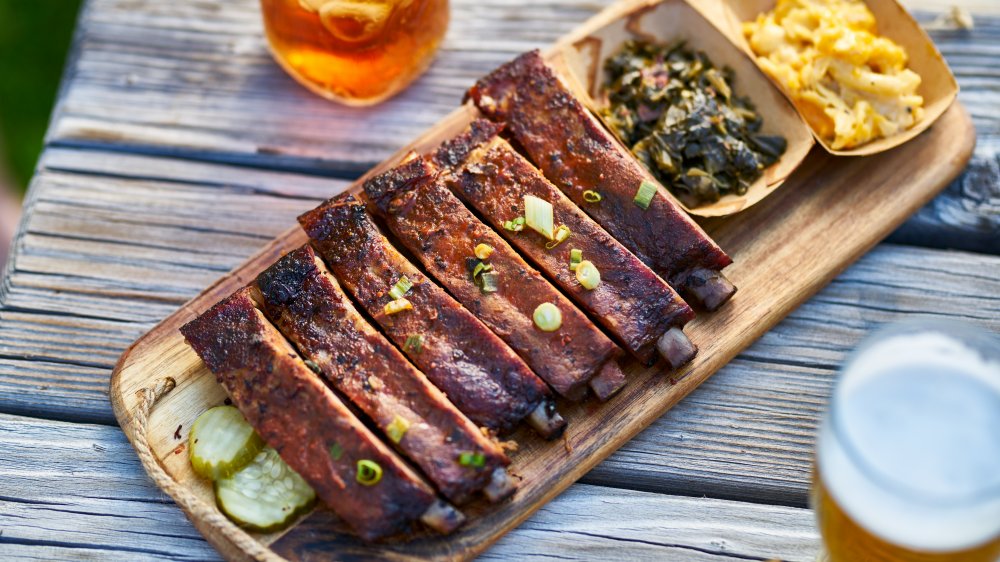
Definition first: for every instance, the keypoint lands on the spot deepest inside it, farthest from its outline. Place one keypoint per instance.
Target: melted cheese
(851, 85)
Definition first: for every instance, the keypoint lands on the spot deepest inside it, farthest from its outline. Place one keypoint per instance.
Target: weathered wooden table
(178, 148)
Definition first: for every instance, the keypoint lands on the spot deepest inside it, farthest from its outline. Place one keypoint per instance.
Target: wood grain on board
(785, 249)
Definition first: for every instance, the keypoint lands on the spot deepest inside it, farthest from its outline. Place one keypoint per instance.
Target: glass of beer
(908, 455)
(356, 52)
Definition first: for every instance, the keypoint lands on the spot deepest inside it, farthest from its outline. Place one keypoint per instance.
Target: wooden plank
(966, 215)
(188, 75)
(182, 78)
(597, 523)
(76, 491)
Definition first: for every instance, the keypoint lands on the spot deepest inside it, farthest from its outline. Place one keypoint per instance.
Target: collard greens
(679, 116)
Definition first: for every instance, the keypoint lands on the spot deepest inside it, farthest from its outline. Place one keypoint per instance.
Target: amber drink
(357, 52)
(908, 457)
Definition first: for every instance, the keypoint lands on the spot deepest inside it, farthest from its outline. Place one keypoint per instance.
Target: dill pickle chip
(222, 442)
(265, 495)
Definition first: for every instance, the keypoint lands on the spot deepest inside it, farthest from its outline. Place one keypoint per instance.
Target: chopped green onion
(592, 196)
(398, 305)
(516, 225)
(538, 216)
(313, 366)
(588, 275)
(575, 257)
(488, 282)
(397, 429)
(414, 343)
(468, 458)
(369, 472)
(336, 451)
(547, 317)
(643, 197)
(481, 267)
(484, 277)
(483, 251)
(401, 287)
(562, 233)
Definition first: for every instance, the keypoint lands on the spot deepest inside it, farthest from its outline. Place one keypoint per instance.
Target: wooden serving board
(828, 213)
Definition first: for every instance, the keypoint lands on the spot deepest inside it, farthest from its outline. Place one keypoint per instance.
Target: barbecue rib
(631, 302)
(430, 221)
(294, 412)
(306, 303)
(483, 377)
(578, 154)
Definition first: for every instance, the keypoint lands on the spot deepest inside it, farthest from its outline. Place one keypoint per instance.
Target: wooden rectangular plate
(830, 211)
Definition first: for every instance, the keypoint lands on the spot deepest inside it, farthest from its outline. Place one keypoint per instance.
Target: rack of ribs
(442, 233)
(577, 154)
(478, 372)
(641, 311)
(312, 430)
(307, 305)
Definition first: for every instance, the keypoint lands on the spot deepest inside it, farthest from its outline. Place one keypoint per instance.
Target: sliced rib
(312, 430)
(306, 303)
(577, 154)
(478, 372)
(631, 302)
(437, 228)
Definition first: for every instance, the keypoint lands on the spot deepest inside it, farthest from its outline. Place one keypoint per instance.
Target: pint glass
(908, 455)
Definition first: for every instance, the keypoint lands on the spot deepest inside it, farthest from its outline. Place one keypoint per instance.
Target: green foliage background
(34, 39)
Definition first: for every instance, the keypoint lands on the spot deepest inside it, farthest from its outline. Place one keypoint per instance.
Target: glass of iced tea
(356, 52)
(908, 455)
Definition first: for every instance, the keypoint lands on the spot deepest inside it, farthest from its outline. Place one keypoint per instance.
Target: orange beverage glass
(356, 52)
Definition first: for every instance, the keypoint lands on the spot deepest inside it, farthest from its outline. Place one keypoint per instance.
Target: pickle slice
(222, 442)
(265, 495)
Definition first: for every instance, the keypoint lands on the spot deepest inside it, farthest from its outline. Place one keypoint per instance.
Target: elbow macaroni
(851, 85)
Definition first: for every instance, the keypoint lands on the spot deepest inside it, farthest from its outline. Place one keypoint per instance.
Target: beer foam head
(911, 447)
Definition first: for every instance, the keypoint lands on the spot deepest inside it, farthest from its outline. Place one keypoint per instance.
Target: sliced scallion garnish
(481, 267)
(336, 451)
(468, 458)
(547, 317)
(538, 216)
(398, 305)
(483, 251)
(369, 472)
(489, 282)
(313, 366)
(575, 257)
(516, 225)
(562, 233)
(592, 196)
(397, 429)
(588, 275)
(401, 287)
(643, 197)
(414, 343)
